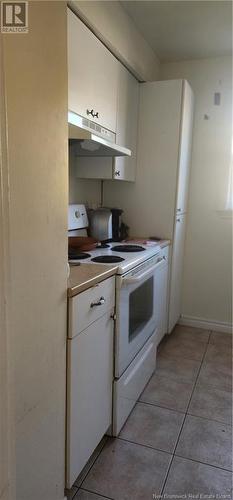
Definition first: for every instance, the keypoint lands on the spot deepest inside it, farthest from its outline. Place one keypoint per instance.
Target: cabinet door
(89, 393)
(127, 124)
(92, 75)
(185, 149)
(161, 299)
(176, 272)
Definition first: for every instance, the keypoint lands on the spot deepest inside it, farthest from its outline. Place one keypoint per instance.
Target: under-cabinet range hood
(91, 139)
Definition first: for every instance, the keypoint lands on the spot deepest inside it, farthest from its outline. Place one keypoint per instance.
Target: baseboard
(207, 324)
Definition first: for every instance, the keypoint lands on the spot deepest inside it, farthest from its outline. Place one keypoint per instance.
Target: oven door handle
(140, 277)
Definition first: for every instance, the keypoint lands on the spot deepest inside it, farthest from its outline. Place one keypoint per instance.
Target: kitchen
(146, 108)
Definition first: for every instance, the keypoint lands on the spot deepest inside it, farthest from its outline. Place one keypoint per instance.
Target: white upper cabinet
(185, 149)
(119, 168)
(92, 75)
(124, 168)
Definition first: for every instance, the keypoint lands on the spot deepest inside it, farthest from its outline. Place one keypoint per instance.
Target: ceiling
(182, 30)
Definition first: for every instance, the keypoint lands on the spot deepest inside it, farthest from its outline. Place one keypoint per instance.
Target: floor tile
(190, 333)
(184, 348)
(187, 478)
(206, 441)
(221, 338)
(211, 403)
(87, 495)
(126, 470)
(216, 375)
(153, 426)
(164, 391)
(176, 368)
(219, 354)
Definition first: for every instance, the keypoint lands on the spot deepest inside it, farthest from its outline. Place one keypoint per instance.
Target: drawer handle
(99, 303)
(117, 173)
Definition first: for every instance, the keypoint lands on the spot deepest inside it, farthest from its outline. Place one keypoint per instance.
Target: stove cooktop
(126, 256)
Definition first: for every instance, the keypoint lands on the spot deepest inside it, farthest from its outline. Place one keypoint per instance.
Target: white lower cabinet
(89, 392)
(162, 295)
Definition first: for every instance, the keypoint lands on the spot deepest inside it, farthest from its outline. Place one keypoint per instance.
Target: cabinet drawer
(83, 309)
(130, 385)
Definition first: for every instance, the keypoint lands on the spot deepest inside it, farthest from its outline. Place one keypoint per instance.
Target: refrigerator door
(176, 272)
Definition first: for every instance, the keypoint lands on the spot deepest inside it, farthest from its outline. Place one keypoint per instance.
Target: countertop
(164, 243)
(87, 275)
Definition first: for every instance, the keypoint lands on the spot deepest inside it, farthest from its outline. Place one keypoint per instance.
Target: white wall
(207, 274)
(36, 93)
(111, 23)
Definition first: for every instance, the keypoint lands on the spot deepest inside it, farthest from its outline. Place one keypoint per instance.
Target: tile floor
(177, 440)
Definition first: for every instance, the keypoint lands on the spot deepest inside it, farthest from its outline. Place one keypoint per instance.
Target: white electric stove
(136, 310)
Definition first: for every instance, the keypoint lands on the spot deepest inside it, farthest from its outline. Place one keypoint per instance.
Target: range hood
(91, 139)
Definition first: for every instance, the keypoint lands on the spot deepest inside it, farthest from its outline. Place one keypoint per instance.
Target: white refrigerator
(156, 204)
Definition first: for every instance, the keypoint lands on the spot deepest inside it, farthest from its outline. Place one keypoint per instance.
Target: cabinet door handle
(100, 302)
(92, 113)
(117, 173)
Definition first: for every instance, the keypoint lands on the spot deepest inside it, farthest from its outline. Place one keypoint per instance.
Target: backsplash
(87, 191)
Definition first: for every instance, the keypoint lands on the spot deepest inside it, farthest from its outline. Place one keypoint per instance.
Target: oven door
(136, 318)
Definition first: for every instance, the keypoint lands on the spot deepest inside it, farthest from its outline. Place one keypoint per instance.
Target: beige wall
(115, 28)
(207, 275)
(36, 93)
(87, 191)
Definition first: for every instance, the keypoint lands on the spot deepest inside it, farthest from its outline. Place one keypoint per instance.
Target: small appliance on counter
(106, 224)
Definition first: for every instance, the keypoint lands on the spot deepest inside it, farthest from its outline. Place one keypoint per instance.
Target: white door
(176, 272)
(185, 149)
(127, 124)
(92, 75)
(89, 393)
